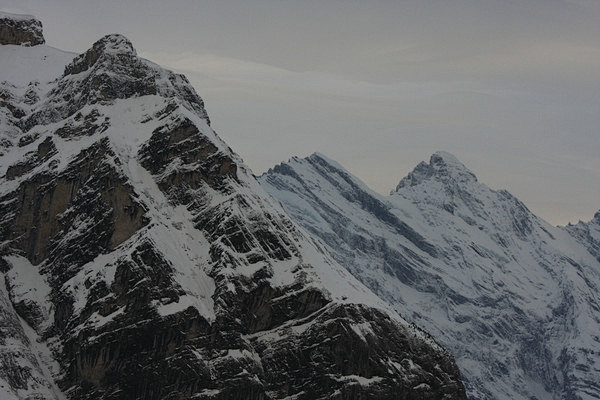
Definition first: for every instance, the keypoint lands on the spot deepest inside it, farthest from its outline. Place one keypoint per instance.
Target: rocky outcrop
(23, 30)
(110, 71)
(442, 166)
(45, 150)
(144, 261)
(89, 198)
(182, 142)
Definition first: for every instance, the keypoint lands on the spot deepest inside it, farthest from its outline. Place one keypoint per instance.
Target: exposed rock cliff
(141, 259)
(22, 30)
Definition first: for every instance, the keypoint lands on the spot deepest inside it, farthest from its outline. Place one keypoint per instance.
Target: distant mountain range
(515, 300)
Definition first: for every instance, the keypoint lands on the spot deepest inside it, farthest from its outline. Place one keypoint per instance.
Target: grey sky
(512, 88)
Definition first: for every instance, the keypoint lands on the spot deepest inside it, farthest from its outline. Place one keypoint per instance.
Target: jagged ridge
(512, 297)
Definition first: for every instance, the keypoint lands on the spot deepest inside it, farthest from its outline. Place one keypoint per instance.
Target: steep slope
(141, 259)
(514, 299)
(588, 234)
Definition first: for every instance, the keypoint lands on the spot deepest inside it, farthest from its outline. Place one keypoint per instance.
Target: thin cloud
(379, 86)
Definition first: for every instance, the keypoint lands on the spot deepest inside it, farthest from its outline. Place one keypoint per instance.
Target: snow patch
(361, 380)
(29, 286)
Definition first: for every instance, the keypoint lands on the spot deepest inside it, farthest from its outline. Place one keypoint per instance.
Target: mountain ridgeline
(515, 300)
(140, 258)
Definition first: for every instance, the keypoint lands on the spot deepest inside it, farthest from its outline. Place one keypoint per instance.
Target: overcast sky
(512, 88)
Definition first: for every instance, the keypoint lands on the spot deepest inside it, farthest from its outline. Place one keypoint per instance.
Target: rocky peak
(22, 30)
(108, 71)
(442, 167)
(323, 159)
(113, 47)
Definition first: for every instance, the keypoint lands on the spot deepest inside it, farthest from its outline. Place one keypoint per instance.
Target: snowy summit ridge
(111, 48)
(442, 166)
(514, 299)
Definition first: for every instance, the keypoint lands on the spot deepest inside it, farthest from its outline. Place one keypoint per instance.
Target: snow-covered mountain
(140, 258)
(514, 299)
(588, 234)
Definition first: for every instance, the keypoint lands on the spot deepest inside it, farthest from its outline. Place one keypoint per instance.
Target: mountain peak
(109, 47)
(116, 44)
(447, 159)
(442, 166)
(322, 158)
(23, 30)
(596, 218)
(111, 70)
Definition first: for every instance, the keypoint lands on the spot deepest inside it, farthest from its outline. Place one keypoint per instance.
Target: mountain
(140, 258)
(588, 234)
(514, 299)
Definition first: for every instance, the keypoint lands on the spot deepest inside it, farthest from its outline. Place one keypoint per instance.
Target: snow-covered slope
(515, 300)
(588, 234)
(140, 258)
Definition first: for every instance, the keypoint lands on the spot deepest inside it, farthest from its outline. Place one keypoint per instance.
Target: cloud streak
(511, 88)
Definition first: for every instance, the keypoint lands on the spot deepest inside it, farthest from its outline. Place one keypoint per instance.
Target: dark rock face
(368, 359)
(20, 30)
(43, 209)
(205, 164)
(44, 152)
(143, 257)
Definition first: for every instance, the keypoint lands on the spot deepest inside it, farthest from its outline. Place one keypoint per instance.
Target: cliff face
(141, 259)
(23, 30)
(514, 299)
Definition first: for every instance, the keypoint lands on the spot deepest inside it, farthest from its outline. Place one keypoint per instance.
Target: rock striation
(140, 259)
(514, 299)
